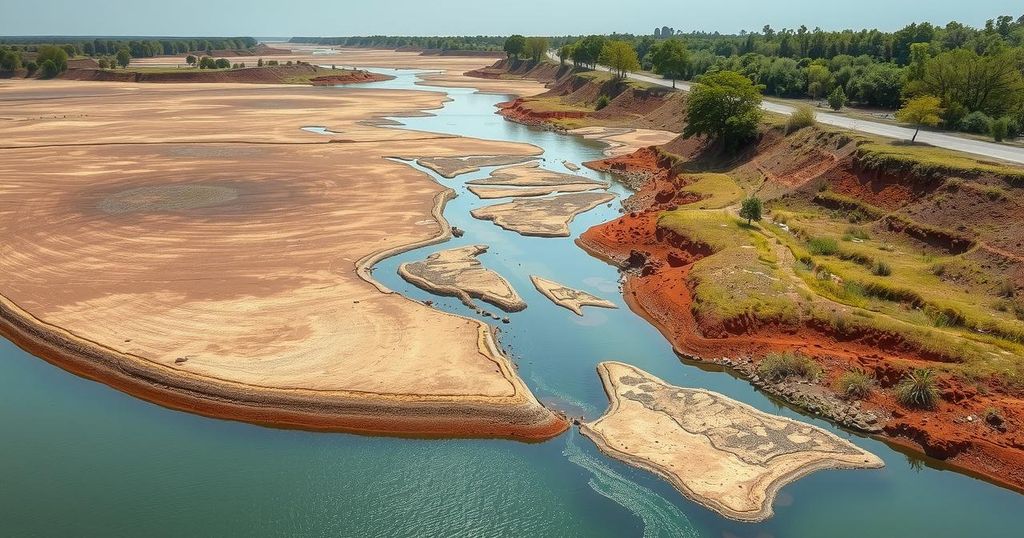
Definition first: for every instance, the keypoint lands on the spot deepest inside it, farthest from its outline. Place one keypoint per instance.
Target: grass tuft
(780, 366)
(918, 389)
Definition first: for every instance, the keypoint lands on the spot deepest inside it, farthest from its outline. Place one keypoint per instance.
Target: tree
(670, 59)
(31, 67)
(49, 69)
(564, 54)
(837, 99)
(515, 45)
(52, 53)
(259, 63)
(222, 63)
(751, 209)
(123, 57)
(536, 47)
(818, 80)
(963, 80)
(724, 106)
(191, 59)
(620, 56)
(9, 60)
(587, 51)
(924, 110)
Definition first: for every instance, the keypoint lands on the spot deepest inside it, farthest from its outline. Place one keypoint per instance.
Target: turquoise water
(78, 458)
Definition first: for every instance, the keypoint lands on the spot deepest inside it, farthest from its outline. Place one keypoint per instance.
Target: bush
(49, 69)
(881, 269)
(779, 366)
(1000, 129)
(602, 102)
(222, 63)
(803, 116)
(918, 389)
(837, 98)
(857, 232)
(855, 384)
(976, 122)
(823, 246)
(32, 67)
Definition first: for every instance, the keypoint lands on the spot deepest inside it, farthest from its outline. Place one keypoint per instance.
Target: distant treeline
(141, 47)
(480, 42)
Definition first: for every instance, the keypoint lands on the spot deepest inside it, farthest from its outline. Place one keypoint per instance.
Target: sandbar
(532, 175)
(567, 297)
(450, 167)
(718, 452)
(544, 217)
(457, 272)
(490, 193)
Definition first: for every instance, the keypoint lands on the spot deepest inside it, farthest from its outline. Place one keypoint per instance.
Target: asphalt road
(942, 140)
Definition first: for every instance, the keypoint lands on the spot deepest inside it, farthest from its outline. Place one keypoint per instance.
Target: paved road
(942, 140)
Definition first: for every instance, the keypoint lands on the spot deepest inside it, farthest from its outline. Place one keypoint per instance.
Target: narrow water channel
(78, 458)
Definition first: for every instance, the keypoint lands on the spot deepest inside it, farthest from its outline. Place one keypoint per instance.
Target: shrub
(837, 98)
(858, 233)
(855, 384)
(602, 102)
(881, 269)
(779, 366)
(49, 69)
(1000, 129)
(32, 67)
(976, 122)
(803, 116)
(822, 246)
(918, 389)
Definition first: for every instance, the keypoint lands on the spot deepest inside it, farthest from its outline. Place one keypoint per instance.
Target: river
(78, 458)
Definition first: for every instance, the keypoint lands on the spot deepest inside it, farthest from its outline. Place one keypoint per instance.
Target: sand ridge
(721, 453)
(567, 297)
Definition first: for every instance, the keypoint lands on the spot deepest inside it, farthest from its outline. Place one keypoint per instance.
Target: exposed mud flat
(490, 193)
(451, 167)
(532, 175)
(217, 259)
(457, 272)
(567, 297)
(544, 217)
(718, 452)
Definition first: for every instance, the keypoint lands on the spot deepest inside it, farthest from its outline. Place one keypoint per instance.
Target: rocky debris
(458, 232)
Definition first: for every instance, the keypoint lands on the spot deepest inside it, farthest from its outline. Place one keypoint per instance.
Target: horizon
(121, 18)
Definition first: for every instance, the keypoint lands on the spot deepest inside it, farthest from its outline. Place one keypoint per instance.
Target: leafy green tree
(564, 53)
(103, 63)
(837, 99)
(10, 60)
(920, 111)
(724, 106)
(620, 56)
(536, 47)
(515, 45)
(259, 63)
(49, 69)
(123, 57)
(191, 59)
(670, 59)
(31, 67)
(751, 209)
(964, 80)
(587, 51)
(222, 63)
(818, 80)
(54, 54)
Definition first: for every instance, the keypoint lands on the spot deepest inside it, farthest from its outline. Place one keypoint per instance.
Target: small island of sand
(567, 297)
(718, 452)
(544, 217)
(458, 273)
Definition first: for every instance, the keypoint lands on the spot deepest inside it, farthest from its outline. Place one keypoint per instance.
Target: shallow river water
(78, 458)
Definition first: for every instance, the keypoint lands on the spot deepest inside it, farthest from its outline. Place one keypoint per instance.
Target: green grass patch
(716, 190)
(782, 366)
(929, 161)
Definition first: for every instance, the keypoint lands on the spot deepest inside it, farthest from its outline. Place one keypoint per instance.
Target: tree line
(482, 43)
(137, 47)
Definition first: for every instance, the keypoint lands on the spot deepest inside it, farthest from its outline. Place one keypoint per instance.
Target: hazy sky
(458, 17)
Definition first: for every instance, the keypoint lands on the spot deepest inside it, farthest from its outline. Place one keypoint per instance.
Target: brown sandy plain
(191, 245)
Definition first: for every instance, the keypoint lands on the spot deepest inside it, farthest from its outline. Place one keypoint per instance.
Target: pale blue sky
(460, 17)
